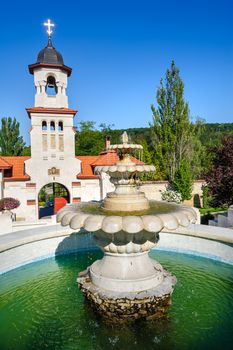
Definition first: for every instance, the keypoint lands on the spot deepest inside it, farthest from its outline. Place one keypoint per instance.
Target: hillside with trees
(179, 147)
(182, 149)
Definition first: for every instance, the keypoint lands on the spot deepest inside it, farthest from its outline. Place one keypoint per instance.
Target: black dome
(49, 55)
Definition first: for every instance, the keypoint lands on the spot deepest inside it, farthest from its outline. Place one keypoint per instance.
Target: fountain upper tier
(123, 175)
(126, 210)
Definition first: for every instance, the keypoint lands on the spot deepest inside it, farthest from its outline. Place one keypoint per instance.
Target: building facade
(52, 139)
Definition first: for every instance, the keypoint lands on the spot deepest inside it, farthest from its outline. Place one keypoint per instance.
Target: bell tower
(50, 76)
(52, 133)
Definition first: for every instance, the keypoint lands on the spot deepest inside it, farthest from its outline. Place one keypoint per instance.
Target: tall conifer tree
(11, 143)
(171, 129)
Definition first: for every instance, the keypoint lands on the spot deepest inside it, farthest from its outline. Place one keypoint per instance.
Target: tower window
(60, 126)
(44, 125)
(51, 87)
(52, 126)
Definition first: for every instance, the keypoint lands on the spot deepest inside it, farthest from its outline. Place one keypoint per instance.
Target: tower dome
(49, 55)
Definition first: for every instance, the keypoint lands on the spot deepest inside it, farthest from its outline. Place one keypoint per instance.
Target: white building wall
(105, 185)
(36, 134)
(90, 190)
(154, 191)
(43, 160)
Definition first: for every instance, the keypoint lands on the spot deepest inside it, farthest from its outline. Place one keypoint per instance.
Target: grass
(204, 211)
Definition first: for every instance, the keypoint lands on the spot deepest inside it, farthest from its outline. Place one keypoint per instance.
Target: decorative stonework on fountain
(126, 284)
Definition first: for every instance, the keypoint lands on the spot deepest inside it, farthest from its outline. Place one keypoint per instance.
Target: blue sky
(119, 50)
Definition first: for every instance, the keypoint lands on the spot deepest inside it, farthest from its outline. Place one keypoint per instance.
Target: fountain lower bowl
(93, 217)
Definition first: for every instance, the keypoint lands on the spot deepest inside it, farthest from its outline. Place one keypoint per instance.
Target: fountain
(126, 284)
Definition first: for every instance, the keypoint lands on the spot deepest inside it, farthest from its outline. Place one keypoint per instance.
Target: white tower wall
(42, 99)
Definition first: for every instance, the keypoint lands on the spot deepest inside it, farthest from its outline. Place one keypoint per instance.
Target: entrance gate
(51, 198)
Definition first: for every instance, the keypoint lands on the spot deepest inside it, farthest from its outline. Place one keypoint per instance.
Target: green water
(42, 308)
(156, 207)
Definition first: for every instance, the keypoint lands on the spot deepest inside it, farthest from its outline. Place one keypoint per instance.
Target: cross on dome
(49, 24)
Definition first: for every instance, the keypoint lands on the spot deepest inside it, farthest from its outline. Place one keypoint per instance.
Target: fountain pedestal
(126, 272)
(124, 287)
(118, 306)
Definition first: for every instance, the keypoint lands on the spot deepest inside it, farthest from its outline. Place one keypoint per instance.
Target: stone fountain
(126, 284)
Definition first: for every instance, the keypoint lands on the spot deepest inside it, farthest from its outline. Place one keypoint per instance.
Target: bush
(171, 196)
(9, 203)
(220, 176)
(207, 198)
(205, 218)
(182, 182)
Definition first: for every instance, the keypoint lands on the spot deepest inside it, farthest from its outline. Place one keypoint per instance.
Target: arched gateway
(51, 198)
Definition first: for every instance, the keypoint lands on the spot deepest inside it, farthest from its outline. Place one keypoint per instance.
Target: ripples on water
(42, 308)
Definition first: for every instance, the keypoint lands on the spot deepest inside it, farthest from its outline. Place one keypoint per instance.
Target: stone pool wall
(22, 247)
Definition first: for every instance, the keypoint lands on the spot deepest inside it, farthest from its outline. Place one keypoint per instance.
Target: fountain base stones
(124, 307)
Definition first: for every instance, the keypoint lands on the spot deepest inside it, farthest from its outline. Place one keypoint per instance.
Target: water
(42, 308)
(156, 207)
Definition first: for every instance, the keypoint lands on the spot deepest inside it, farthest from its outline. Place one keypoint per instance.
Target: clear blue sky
(119, 50)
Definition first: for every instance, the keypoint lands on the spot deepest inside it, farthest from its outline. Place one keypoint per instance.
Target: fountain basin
(126, 278)
(202, 300)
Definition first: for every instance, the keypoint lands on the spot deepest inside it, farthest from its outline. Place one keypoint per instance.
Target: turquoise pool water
(42, 308)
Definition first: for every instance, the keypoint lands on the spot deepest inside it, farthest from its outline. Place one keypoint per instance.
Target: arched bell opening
(51, 86)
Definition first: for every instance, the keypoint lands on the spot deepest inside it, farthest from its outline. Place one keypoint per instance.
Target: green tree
(89, 141)
(172, 132)
(11, 143)
(183, 181)
(146, 154)
(26, 151)
(106, 128)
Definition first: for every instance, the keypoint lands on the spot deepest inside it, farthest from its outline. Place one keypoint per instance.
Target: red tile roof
(4, 164)
(50, 110)
(88, 163)
(86, 168)
(109, 158)
(105, 158)
(17, 165)
(136, 161)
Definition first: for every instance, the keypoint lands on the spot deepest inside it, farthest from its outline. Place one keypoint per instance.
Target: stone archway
(49, 196)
